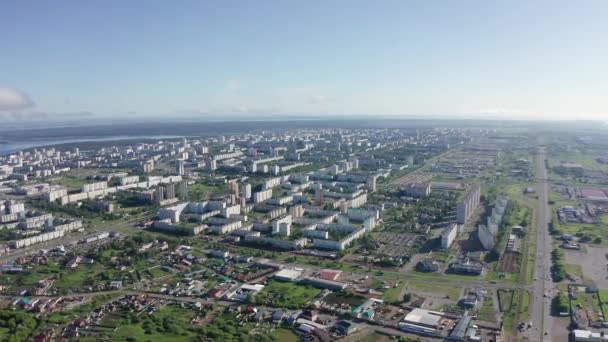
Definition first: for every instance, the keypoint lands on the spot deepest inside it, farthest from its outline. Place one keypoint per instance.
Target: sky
(246, 59)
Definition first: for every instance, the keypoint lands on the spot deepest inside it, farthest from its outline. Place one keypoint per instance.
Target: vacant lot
(593, 262)
(434, 290)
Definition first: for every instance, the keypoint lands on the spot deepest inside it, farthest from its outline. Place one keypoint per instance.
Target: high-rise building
(234, 187)
(467, 205)
(183, 190)
(160, 194)
(148, 166)
(170, 191)
(246, 191)
(370, 183)
(211, 164)
(253, 167)
(179, 167)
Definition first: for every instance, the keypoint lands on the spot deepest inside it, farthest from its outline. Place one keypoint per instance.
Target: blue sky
(524, 59)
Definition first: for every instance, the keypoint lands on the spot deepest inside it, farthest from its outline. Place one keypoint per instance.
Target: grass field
(340, 297)
(604, 299)
(285, 335)
(516, 193)
(487, 312)
(72, 181)
(451, 291)
(505, 298)
(525, 308)
(582, 299)
(510, 316)
(575, 269)
(604, 219)
(374, 337)
(591, 230)
(393, 295)
(286, 295)
(201, 191)
(530, 261)
(587, 160)
(604, 295)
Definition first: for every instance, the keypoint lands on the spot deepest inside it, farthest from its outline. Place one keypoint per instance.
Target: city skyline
(71, 60)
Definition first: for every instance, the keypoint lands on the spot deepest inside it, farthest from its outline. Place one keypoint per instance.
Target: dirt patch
(510, 262)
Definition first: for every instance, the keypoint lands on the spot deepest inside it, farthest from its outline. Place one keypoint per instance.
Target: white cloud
(242, 109)
(37, 115)
(192, 111)
(499, 111)
(231, 86)
(318, 98)
(14, 99)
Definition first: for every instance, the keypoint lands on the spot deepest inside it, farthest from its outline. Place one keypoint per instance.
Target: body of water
(7, 147)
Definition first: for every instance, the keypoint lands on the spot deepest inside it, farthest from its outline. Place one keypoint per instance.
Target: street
(540, 315)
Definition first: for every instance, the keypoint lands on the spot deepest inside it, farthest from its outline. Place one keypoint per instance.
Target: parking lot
(398, 245)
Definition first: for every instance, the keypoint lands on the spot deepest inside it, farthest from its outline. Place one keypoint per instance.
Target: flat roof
(422, 316)
(288, 273)
(329, 274)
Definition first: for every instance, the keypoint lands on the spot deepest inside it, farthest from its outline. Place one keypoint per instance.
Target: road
(540, 306)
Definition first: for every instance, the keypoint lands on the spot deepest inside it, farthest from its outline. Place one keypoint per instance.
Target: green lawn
(592, 230)
(604, 219)
(516, 193)
(487, 312)
(604, 295)
(200, 191)
(286, 295)
(285, 335)
(393, 294)
(510, 316)
(374, 337)
(530, 266)
(524, 312)
(582, 298)
(73, 182)
(604, 299)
